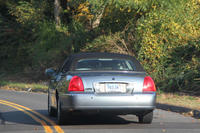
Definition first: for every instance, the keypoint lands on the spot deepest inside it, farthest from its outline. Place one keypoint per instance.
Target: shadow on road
(82, 119)
(18, 117)
(92, 119)
(97, 119)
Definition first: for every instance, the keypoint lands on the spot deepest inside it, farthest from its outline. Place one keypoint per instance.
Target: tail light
(76, 84)
(148, 85)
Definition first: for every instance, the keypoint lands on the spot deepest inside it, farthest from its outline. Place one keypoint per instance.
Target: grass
(10, 85)
(182, 100)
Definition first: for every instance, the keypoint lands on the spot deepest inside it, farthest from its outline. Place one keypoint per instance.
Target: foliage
(49, 45)
(162, 32)
(119, 42)
(163, 35)
(25, 12)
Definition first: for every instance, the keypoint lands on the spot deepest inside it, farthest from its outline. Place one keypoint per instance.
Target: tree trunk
(57, 10)
(97, 21)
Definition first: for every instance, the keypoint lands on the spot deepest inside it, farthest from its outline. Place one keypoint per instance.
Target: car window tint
(105, 64)
(66, 65)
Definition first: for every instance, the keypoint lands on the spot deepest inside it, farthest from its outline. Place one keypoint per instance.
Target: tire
(146, 118)
(51, 110)
(60, 114)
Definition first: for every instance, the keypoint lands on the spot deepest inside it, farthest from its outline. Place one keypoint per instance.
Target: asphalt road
(24, 112)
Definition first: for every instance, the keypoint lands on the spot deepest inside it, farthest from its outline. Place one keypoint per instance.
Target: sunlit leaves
(170, 26)
(28, 12)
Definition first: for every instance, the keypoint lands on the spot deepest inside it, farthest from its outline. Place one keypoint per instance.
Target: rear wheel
(146, 118)
(60, 114)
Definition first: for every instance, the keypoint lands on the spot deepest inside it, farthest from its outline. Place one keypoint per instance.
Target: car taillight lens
(148, 85)
(76, 84)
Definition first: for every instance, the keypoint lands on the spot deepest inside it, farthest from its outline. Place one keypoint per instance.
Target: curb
(182, 110)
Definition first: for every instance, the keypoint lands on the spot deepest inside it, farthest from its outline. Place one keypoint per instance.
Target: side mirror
(50, 72)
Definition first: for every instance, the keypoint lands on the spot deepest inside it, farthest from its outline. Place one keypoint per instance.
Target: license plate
(115, 88)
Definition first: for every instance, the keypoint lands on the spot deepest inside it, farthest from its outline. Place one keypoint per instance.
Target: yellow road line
(46, 127)
(56, 127)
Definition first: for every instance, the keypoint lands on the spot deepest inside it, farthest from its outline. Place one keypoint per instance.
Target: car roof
(73, 58)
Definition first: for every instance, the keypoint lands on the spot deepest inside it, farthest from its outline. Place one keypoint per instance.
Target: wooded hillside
(163, 34)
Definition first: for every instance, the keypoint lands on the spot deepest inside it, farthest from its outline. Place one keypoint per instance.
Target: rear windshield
(105, 64)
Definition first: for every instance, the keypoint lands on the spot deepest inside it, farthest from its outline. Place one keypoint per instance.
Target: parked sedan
(101, 82)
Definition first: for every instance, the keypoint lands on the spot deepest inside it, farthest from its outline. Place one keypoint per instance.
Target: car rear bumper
(137, 101)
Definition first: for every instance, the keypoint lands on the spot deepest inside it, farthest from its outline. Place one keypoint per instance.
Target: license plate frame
(115, 88)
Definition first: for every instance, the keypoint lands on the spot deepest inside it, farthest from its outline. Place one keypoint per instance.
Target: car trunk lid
(111, 82)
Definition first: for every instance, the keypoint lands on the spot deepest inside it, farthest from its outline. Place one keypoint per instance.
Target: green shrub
(168, 33)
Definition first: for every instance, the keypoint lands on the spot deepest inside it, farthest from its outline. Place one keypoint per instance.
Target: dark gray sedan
(101, 82)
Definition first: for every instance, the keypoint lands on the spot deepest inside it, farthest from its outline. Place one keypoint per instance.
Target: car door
(55, 81)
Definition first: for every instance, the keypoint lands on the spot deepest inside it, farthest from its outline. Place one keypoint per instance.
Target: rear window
(102, 64)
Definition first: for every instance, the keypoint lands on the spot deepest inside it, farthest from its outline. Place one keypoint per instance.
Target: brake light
(148, 85)
(76, 84)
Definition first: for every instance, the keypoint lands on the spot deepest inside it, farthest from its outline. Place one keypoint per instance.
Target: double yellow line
(35, 116)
